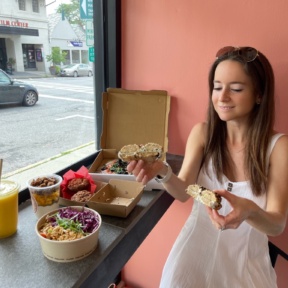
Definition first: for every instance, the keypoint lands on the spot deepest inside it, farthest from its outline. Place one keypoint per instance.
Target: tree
(56, 58)
(71, 12)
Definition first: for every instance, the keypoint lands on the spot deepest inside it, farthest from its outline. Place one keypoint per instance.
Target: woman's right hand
(144, 172)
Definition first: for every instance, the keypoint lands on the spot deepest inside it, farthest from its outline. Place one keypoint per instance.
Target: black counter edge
(119, 256)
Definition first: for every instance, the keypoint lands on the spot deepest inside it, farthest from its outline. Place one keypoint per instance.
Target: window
(22, 5)
(35, 6)
(84, 56)
(67, 90)
(67, 61)
(4, 79)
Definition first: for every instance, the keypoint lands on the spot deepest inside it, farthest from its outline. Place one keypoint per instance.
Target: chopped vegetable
(116, 166)
(79, 221)
(43, 235)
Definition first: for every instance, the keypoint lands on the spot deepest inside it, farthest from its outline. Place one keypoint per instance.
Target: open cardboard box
(131, 117)
(117, 198)
(68, 202)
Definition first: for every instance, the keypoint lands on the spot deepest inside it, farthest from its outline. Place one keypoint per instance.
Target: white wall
(9, 11)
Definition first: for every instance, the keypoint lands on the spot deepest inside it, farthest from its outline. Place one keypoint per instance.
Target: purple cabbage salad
(84, 221)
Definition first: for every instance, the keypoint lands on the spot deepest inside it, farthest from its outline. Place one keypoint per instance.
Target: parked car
(76, 70)
(14, 91)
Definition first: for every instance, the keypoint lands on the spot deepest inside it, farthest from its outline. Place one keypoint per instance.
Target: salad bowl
(68, 234)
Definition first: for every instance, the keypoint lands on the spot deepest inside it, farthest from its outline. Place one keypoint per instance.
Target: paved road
(62, 120)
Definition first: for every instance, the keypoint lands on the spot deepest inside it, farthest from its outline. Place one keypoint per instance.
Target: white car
(75, 70)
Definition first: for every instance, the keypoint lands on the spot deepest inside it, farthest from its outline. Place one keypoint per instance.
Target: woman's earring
(258, 102)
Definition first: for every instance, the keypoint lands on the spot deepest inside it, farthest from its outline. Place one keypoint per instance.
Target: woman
(237, 154)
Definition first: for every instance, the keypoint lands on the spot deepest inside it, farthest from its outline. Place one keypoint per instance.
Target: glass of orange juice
(8, 207)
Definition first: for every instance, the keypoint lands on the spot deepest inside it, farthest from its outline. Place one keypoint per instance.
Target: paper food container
(68, 251)
(131, 117)
(117, 198)
(104, 178)
(68, 202)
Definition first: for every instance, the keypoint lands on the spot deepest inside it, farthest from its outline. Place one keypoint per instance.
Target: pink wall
(170, 45)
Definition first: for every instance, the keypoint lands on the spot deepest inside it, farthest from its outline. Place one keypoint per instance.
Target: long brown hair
(260, 126)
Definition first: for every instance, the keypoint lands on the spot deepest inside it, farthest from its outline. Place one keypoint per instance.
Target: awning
(18, 31)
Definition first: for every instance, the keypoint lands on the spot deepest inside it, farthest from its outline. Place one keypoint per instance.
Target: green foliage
(11, 61)
(58, 69)
(72, 12)
(56, 57)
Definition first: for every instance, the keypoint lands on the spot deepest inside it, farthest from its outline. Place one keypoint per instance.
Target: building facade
(70, 38)
(27, 35)
(24, 34)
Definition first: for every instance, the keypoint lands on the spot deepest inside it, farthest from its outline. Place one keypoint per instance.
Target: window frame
(22, 4)
(35, 4)
(107, 27)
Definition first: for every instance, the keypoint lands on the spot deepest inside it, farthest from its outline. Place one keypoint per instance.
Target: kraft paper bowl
(68, 251)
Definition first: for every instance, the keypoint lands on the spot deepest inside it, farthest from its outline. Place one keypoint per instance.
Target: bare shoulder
(198, 133)
(196, 141)
(202, 126)
(280, 150)
(282, 143)
(278, 178)
(193, 153)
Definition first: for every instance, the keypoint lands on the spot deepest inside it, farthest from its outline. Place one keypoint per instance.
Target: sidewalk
(50, 165)
(30, 75)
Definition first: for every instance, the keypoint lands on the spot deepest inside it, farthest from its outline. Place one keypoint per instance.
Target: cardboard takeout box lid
(134, 117)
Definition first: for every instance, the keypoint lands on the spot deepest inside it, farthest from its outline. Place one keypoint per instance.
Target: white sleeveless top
(204, 257)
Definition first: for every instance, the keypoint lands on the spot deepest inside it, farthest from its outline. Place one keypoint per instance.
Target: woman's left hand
(239, 213)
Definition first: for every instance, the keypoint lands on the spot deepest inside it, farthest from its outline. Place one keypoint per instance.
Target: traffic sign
(86, 9)
(91, 54)
(89, 33)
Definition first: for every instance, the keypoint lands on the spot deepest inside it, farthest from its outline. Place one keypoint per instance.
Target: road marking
(73, 116)
(73, 89)
(66, 87)
(66, 99)
(58, 85)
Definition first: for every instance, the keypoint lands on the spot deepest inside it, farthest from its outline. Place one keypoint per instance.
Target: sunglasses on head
(248, 54)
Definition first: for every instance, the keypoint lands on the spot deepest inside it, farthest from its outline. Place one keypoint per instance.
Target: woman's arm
(176, 185)
(272, 220)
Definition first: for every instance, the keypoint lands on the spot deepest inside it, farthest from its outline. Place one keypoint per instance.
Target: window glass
(35, 6)
(67, 118)
(22, 5)
(84, 56)
(67, 57)
(3, 78)
(75, 56)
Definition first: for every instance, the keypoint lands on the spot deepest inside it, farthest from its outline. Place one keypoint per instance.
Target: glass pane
(35, 6)
(59, 129)
(21, 4)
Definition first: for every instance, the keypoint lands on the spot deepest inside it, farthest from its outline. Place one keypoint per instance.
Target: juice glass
(8, 207)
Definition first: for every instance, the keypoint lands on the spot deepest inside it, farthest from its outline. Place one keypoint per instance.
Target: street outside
(61, 120)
